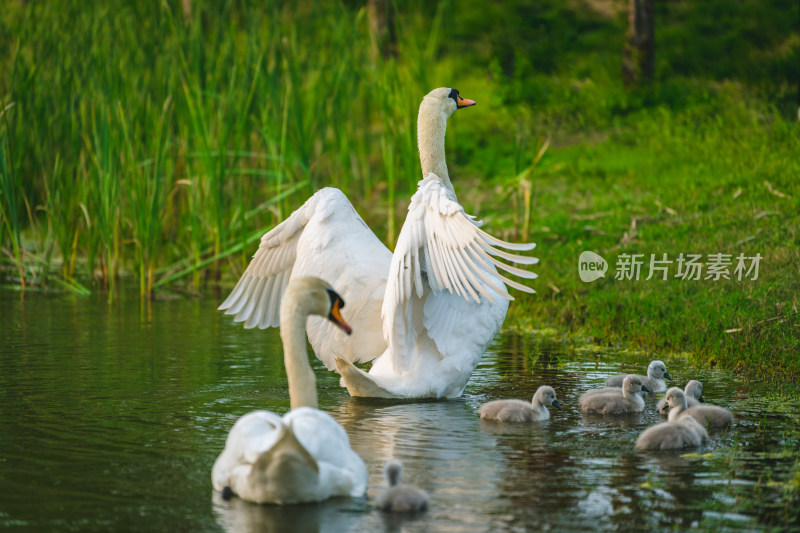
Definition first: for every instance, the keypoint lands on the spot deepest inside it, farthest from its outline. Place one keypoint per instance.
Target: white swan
(304, 456)
(519, 411)
(693, 391)
(708, 416)
(426, 313)
(614, 401)
(400, 497)
(654, 380)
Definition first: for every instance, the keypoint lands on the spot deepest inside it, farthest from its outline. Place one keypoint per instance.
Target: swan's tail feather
(285, 473)
(358, 382)
(287, 444)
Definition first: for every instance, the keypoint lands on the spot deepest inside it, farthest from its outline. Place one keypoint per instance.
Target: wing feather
(326, 238)
(442, 250)
(253, 309)
(275, 255)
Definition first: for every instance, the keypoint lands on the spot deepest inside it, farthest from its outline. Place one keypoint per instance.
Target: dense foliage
(162, 138)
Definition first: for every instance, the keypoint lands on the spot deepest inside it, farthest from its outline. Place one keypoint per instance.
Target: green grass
(700, 183)
(140, 142)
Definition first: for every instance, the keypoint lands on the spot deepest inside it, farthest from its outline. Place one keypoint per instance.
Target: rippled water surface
(111, 417)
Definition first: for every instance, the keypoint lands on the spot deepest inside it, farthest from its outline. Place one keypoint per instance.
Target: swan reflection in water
(333, 515)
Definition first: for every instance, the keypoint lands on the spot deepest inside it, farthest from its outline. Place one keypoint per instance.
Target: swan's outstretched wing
(444, 266)
(325, 238)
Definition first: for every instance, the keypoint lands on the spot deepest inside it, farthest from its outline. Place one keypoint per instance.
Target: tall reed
(158, 141)
(11, 189)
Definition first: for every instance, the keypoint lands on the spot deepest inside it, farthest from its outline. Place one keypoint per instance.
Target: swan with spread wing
(425, 314)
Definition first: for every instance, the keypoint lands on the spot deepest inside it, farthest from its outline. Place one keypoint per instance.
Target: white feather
(424, 314)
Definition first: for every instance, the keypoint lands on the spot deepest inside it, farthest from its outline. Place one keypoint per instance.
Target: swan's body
(399, 497)
(614, 401)
(708, 416)
(424, 314)
(654, 380)
(304, 456)
(673, 435)
(693, 391)
(519, 411)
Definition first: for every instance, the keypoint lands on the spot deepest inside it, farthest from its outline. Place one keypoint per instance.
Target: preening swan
(654, 380)
(708, 416)
(304, 456)
(519, 411)
(613, 401)
(693, 391)
(399, 497)
(424, 314)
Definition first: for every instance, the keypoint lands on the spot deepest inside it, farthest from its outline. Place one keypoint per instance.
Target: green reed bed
(141, 138)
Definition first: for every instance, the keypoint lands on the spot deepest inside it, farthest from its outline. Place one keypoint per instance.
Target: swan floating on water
(654, 380)
(519, 411)
(400, 497)
(708, 416)
(304, 456)
(693, 391)
(426, 313)
(615, 401)
(672, 435)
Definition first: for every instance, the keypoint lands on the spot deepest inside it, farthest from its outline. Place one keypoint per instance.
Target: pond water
(111, 417)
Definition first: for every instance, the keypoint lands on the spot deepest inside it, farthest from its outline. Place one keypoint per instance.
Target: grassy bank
(703, 182)
(154, 143)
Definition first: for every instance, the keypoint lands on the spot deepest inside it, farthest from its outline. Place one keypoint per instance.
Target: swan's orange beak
(463, 102)
(335, 316)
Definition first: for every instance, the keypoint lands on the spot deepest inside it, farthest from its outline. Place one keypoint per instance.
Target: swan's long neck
(694, 390)
(431, 129)
(302, 384)
(538, 401)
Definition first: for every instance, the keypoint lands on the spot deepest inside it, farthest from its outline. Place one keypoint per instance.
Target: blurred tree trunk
(187, 10)
(381, 28)
(638, 56)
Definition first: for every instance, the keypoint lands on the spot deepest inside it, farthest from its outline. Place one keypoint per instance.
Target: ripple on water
(115, 415)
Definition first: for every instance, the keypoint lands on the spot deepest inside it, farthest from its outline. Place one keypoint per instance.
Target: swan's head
(694, 389)
(657, 370)
(393, 472)
(633, 383)
(546, 396)
(444, 101)
(313, 296)
(674, 399)
(668, 397)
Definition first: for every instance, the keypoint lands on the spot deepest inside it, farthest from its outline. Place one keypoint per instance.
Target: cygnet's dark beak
(556, 404)
(702, 400)
(645, 389)
(667, 376)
